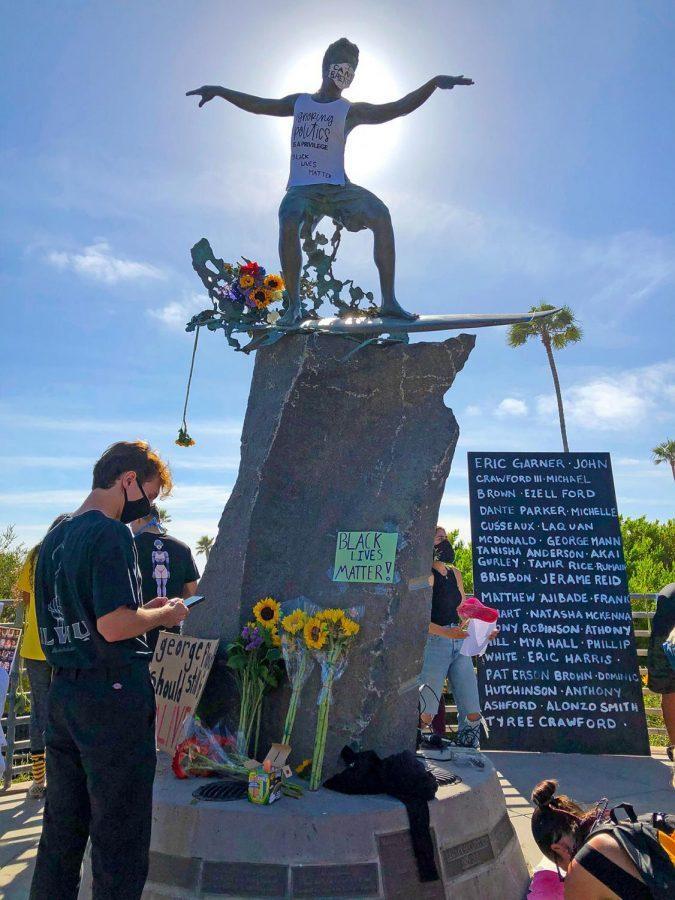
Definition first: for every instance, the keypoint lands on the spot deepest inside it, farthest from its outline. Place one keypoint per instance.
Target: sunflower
(315, 633)
(184, 439)
(260, 297)
(294, 622)
(274, 634)
(349, 627)
(246, 281)
(266, 611)
(331, 615)
(274, 283)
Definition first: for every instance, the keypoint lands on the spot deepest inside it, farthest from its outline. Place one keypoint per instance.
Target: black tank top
(445, 599)
(627, 886)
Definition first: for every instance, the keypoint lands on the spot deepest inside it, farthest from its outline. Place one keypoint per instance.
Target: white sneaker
(36, 791)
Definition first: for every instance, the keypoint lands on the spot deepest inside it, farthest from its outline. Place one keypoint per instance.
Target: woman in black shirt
(442, 656)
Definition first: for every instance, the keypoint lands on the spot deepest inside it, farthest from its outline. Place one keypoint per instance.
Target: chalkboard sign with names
(563, 674)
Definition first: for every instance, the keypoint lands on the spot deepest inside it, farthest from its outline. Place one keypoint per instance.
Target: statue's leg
(290, 254)
(384, 251)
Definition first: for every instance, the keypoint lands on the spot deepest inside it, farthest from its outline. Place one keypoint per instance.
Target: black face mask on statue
(135, 509)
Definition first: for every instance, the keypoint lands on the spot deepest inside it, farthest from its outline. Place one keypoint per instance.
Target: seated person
(597, 867)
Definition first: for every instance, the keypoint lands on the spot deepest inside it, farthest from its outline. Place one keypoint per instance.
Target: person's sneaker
(670, 752)
(36, 791)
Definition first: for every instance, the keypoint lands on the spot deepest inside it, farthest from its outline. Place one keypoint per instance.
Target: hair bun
(543, 793)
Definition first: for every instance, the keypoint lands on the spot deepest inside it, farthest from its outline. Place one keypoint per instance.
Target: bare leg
(290, 254)
(668, 708)
(384, 251)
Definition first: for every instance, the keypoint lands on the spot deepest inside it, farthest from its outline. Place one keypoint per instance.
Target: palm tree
(555, 332)
(665, 452)
(164, 516)
(205, 545)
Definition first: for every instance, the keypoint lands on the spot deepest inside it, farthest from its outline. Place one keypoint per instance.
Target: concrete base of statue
(331, 845)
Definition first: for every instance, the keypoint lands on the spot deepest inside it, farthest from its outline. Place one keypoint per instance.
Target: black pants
(101, 763)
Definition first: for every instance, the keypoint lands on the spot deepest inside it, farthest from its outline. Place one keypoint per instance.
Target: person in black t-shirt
(101, 707)
(167, 566)
(660, 674)
(442, 656)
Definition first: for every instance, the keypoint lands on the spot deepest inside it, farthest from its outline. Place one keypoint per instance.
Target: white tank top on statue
(318, 142)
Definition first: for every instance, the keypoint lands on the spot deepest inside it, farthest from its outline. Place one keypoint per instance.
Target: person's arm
(448, 631)
(377, 113)
(581, 885)
(460, 582)
(189, 589)
(124, 622)
(262, 106)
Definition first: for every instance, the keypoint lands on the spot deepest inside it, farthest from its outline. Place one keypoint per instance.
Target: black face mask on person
(135, 509)
(444, 552)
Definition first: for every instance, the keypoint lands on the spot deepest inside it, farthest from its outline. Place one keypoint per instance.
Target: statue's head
(340, 62)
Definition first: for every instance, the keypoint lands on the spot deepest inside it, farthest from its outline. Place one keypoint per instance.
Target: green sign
(365, 556)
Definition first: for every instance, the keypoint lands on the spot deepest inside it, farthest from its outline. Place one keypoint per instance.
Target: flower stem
(322, 727)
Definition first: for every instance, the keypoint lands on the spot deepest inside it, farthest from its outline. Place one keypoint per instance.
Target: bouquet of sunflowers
(255, 658)
(329, 635)
(297, 656)
(251, 287)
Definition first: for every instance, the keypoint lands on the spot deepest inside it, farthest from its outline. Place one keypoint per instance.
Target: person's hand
(156, 603)
(448, 82)
(207, 92)
(457, 633)
(175, 612)
(494, 634)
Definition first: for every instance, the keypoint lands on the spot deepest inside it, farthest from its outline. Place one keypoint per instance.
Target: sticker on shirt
(160, 567)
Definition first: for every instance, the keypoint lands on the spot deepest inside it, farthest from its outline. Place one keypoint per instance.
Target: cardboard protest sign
(179, 670)
(9, 644)
(365, 556)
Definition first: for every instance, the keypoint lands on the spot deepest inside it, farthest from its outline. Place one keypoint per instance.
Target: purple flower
(246, 632)
(255, 641)
(234, 293)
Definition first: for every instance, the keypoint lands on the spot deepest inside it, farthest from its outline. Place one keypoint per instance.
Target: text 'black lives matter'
(563, 674)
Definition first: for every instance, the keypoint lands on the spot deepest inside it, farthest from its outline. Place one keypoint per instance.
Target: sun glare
(369, 147)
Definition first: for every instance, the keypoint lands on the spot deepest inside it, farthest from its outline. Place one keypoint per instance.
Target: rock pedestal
(328, 845)
(333, 444)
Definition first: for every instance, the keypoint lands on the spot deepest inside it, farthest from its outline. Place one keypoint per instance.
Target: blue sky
(551, 179)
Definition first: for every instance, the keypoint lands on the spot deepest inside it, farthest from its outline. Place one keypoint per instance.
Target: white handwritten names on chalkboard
(563, 673)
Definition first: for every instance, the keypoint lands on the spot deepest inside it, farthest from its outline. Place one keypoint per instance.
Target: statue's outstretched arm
(263, 106)
(376, 113)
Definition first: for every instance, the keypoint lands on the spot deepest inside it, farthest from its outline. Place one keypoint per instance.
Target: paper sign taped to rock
(365, 556)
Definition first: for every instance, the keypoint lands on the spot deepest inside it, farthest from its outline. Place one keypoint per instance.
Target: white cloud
(617, 401)
(177, 313)
(98, 263)
(511, 406)
(226, 428)
(473, 410)
(613, 273)
(180, 463)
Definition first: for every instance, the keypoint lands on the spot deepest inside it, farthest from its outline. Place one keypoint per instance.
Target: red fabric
(438, 722)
